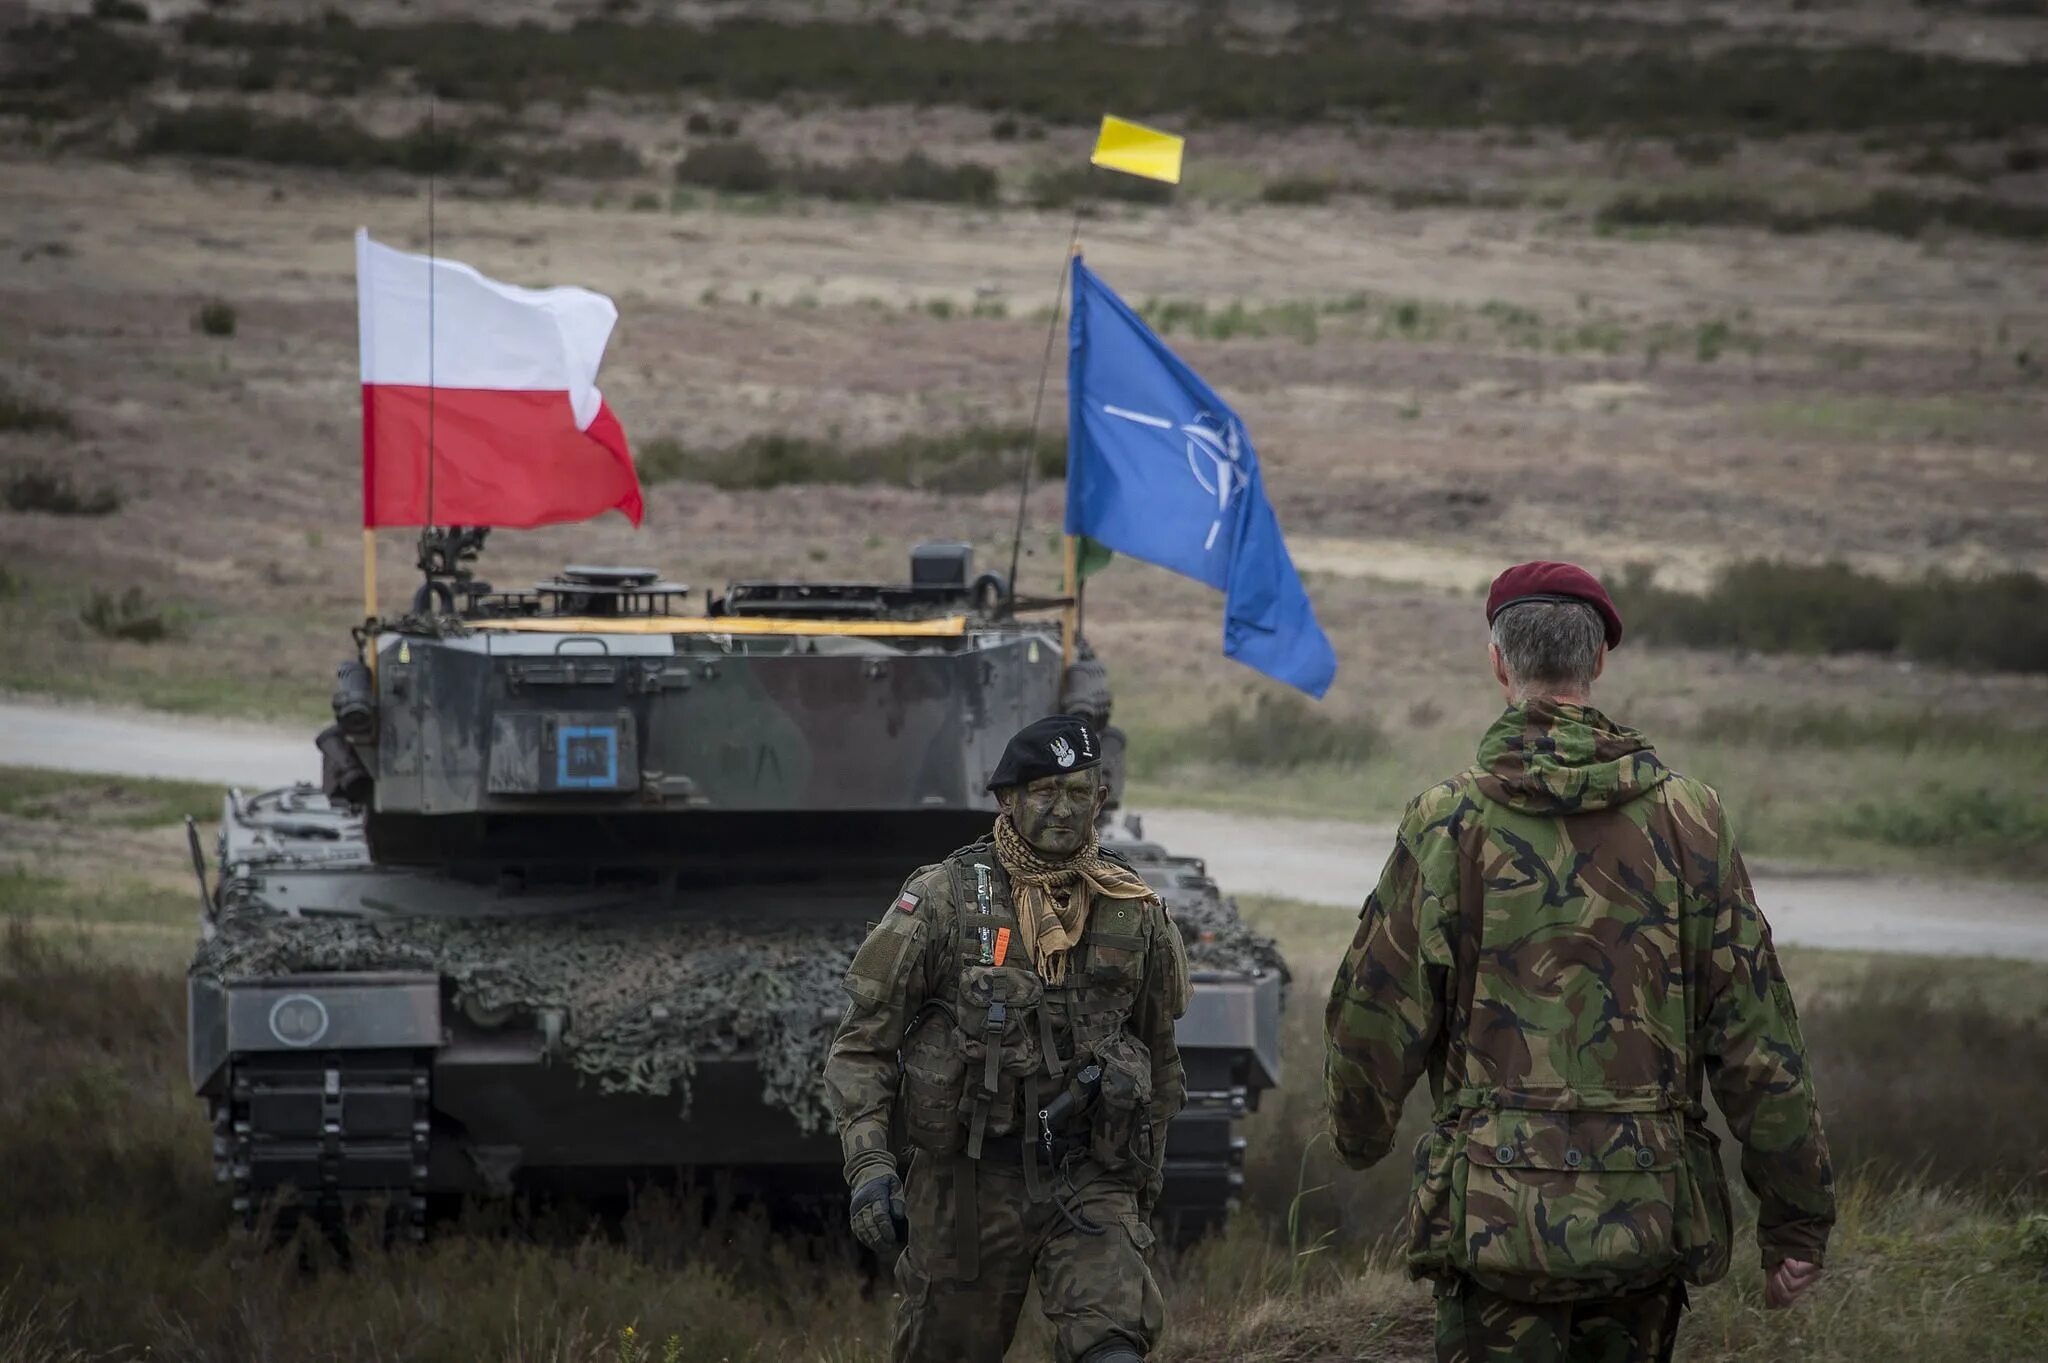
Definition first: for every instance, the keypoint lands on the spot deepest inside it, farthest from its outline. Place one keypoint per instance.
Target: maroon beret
(1553, 582)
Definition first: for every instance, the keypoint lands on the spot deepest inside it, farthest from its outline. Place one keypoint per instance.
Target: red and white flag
(480, 401)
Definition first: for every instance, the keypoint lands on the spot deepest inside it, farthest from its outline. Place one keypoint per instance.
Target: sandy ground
(1318, 861)
(1873, 412)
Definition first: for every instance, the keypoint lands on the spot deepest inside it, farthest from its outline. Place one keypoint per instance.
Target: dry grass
(121, 1246)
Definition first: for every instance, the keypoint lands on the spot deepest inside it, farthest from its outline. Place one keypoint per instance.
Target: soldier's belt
(1003, 1151)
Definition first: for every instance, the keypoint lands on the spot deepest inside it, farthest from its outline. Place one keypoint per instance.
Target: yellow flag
(1136, 149)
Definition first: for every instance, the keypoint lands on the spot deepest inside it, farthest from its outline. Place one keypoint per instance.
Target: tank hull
(352, 1086)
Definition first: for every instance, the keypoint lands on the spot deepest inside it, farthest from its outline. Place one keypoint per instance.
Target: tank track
(344, 1131)
(1204, 1165)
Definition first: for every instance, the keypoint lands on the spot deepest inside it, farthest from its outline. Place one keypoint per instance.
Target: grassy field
(121, 1247)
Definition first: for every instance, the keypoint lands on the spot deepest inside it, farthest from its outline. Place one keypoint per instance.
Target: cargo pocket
(1557, 1202)
(1121, 1128)
(1706, 1232)
(1432, 1217)
(999, 1042)
(934, 1077)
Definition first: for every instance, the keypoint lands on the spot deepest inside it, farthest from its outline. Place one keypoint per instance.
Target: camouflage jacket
(951, 1030)
(1566, 941)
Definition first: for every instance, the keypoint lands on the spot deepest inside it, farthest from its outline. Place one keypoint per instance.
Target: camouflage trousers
(959, 1308)
(1474, 1325)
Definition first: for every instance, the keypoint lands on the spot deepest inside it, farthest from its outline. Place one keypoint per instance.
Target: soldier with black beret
(1027, 974)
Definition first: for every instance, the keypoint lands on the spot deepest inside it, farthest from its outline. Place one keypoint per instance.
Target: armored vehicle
(575, 897)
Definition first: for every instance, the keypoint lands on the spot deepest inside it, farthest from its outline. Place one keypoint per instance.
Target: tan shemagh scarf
(1053, 897)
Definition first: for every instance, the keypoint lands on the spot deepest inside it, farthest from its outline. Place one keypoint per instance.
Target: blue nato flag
(1160, 468)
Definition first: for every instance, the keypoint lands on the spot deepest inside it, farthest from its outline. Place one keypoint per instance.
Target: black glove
(880, 1220)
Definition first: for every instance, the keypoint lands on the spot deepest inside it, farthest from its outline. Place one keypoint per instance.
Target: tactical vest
(994, 1044)
(1568, 1155)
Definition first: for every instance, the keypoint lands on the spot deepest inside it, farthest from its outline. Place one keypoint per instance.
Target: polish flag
(480, 401)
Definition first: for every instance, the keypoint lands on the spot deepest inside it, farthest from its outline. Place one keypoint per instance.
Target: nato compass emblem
(1215, 456)
(1063, 752)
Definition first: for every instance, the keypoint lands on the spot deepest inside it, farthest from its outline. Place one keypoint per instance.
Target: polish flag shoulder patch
(907, 902)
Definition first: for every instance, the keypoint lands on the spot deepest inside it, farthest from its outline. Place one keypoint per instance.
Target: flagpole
(369, 573)
(1070, 614)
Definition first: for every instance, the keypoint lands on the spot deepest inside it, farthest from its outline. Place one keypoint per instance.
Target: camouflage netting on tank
(1220, 940)
(644, 999)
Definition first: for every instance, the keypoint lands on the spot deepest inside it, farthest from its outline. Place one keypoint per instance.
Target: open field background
(1669, 286)
(1664, 288)
(121, 1247)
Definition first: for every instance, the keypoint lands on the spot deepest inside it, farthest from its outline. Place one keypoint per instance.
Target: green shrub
(732, 167)
(120, 11)
(1298, 189)
(971, 459)
(1402, 198)
(592, 158)
(915, 176)
(333, 142)
(1508, 69)
(130, 616)
(52, 492)
(74, 69)
(1281, 732)
(1066, 186)
(29, 415)
(1893, 212)
(1996, 623)
(215, 317)
(1837, 728)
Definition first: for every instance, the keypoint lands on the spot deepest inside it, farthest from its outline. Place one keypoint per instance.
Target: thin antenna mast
(1052, 332)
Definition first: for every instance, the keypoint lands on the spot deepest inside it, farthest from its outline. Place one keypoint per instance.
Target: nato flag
(1160, 468)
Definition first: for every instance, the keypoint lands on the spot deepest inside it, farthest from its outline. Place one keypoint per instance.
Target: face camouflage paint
(1054, 813)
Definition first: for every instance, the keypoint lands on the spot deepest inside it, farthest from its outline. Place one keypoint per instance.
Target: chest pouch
(999, 1045)
(934, 1078)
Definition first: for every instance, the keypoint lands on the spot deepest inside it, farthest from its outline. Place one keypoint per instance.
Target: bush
(732, 167)
(1893, 212)
(74, 70)
(1298, 189)
(915, 176)
(1416, 70)
(131, 616)
(743, 168)
(1997, 623)
(214, 318)
(19, 412)
(335, 142)
(592, 158)
(52, 492)
(120, 11)
(972, 459)
(1282, 732)
(1067, 186)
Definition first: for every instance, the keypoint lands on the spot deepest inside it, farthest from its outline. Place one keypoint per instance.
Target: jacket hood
(1547, 757)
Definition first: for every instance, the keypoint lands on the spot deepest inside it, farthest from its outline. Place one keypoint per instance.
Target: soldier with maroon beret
(1565, 940)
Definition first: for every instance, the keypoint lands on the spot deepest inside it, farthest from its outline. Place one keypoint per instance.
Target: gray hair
(1549, 647)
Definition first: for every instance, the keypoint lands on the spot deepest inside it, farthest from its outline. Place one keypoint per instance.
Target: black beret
(1052, 746)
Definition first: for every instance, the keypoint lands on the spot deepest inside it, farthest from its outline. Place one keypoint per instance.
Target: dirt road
(1319, 861)
(1335, 863)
